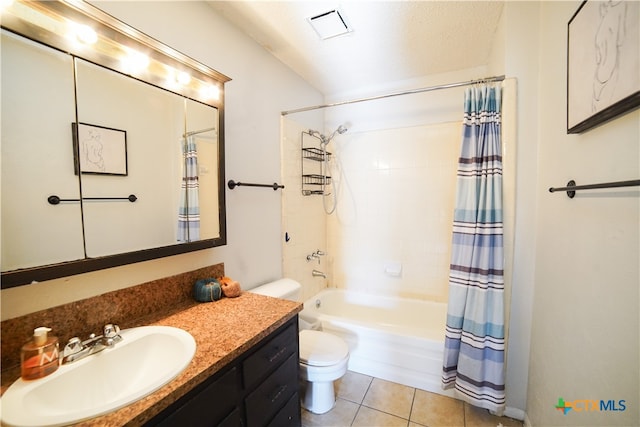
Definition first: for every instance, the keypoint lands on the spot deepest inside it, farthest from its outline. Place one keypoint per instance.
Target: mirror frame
(108, 26)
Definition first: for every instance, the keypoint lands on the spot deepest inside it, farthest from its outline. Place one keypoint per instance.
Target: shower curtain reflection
(189, 209)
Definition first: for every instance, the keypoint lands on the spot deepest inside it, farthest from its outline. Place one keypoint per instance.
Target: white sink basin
(146, 359)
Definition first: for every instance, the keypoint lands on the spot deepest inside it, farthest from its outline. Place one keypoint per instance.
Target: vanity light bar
(113, 44)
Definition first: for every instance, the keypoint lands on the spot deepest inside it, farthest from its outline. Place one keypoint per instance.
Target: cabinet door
(233, 420)
(270, 355)
(289, 416)
(270, 396)
(207, 406)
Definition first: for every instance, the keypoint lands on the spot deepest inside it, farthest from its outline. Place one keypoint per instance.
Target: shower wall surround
(392, 232)
(396, 190)
(395, 173)
(303, 218)
(130, 307)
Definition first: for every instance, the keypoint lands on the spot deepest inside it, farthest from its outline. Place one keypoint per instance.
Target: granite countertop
(223, 330)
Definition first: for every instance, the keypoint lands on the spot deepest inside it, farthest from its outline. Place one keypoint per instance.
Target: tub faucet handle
(315, 255)
(320, 253)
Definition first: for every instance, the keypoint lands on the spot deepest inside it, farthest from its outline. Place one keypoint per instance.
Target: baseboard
(527, 421)
(515, 413)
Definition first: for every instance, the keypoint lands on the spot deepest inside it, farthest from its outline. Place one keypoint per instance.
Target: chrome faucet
(77, 349)
(316, 273)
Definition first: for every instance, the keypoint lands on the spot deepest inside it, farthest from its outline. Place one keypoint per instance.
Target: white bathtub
(395, 339)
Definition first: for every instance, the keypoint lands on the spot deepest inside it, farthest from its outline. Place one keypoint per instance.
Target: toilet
(323, 357)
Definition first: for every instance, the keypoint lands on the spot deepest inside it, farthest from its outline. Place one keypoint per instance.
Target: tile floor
(366, 401)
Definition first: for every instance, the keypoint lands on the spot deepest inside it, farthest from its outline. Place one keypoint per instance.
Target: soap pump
(39, 357)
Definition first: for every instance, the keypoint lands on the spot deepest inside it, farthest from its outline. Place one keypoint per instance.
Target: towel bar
(571, 187)
(55, 200)
(233, 184)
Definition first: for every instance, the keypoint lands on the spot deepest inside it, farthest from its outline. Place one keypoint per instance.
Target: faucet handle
(320, 253)
(74, 345)
(111, 335)
(110, 330)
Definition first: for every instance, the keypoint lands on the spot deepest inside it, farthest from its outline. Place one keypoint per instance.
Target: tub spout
(316, 273)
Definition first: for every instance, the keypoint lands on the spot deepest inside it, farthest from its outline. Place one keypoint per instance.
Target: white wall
(261, 88)
(585, 336)
(520, 30)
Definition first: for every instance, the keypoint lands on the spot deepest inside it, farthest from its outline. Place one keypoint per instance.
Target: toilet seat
(319, 348)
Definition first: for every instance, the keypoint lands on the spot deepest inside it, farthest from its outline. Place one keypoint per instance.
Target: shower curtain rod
(389, 95)
(195, 132)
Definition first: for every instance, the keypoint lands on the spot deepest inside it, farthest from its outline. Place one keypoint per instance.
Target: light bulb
(85, 34)
(210, 92)
(183, 78)
(135, 61)
(5, 4)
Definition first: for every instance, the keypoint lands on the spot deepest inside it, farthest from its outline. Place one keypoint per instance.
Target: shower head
(341, 129)
(323, 139)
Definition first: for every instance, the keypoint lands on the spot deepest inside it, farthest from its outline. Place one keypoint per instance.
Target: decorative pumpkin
(206, 290)
(230, 288)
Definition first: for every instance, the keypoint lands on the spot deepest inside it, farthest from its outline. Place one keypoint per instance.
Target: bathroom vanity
(244, 371)
(258, 388)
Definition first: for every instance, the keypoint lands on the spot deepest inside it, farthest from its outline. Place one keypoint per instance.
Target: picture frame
(99, 150)
(603, 64)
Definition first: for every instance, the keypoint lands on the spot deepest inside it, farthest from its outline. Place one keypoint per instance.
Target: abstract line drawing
(608, 42)
(603, 63)
(100, 150)
(91, 148)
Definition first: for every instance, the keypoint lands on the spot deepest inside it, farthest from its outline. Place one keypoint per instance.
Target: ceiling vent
(329, 24)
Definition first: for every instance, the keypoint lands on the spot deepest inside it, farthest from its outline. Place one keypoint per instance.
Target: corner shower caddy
(313, 183)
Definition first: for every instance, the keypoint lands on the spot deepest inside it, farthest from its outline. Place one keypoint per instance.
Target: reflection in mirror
(153, 120)
(81, 131)
(37, 157)
(199, 129)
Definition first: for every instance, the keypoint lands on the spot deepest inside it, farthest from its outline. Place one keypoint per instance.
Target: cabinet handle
(277, 355)
(278, 393)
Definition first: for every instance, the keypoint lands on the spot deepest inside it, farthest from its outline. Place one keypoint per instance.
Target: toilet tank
(284, 288)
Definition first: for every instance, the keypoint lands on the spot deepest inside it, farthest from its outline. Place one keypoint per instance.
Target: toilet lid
(319, 348)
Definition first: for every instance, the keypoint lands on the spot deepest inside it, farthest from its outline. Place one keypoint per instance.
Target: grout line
(464, 413)
(364, 396)
(411, 409)
(384, 412)
(355, 415)
(362, 401)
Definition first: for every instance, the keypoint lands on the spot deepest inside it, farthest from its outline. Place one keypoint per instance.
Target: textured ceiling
(391, 40)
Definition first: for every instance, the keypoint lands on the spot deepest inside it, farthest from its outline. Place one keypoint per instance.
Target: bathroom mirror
(94, 170)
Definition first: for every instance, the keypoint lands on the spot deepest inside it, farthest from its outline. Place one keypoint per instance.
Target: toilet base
(318, 397)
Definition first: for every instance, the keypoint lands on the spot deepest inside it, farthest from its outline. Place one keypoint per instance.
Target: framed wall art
(100, 150)
(603, 64)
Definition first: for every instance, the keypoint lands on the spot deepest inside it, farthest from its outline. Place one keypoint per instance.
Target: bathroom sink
(147, 358)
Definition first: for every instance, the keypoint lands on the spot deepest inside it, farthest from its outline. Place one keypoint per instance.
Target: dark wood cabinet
(257, 389)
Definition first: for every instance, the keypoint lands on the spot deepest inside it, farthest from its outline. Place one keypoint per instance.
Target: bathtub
(395, 339)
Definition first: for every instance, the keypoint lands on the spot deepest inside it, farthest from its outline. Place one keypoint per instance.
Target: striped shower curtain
(474, 341)
(189, 209)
